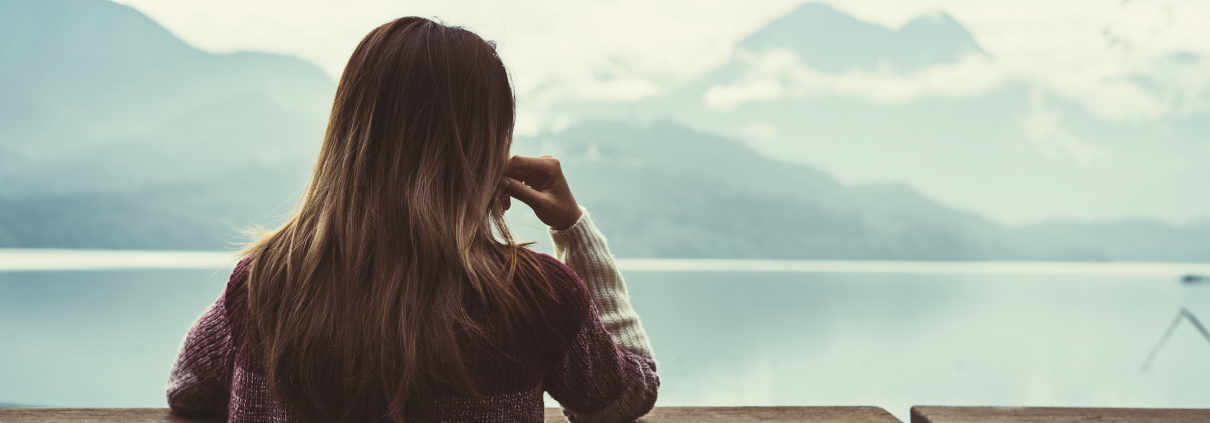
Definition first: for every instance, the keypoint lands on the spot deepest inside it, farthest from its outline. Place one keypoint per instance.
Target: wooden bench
(1057, 415)
(659, 415)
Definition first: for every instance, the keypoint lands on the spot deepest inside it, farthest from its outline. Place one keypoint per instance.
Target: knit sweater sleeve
(200, 381)
(607, 373)
(582, 247)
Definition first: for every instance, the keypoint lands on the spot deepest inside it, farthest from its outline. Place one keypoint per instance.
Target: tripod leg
(1164, 339)
(1196, 323)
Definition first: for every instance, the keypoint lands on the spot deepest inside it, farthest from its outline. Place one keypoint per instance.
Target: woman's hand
(539, 183)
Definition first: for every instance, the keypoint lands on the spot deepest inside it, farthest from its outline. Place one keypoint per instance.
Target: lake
(890, 334)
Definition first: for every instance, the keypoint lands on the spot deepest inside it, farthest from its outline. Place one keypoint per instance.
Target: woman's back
(595, 373)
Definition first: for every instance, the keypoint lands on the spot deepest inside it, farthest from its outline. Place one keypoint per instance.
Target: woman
(395, 292)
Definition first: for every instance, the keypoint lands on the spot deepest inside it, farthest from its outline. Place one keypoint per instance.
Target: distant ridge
(97, 96)
(831, 41)
(664, 190)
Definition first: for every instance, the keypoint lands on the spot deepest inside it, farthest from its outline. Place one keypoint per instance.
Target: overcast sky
(629, 49)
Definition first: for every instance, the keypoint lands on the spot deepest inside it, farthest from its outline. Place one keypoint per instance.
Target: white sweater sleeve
(582, 248)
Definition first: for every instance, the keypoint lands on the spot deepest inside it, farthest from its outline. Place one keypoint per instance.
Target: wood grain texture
(659, 415)
(769, 414)
(95, 415)
(932, 414)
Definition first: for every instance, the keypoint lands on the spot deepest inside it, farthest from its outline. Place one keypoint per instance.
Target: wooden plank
(926, 414)
(659, 415)
(95, 415)
(756, 414)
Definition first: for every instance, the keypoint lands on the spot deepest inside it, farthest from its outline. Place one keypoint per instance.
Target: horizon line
(30, 259)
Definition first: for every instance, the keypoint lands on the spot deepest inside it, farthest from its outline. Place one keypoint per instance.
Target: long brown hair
(356, 302)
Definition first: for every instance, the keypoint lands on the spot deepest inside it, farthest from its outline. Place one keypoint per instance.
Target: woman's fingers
(522, 192)
(539, 183)
(537, 172)
(522, 164)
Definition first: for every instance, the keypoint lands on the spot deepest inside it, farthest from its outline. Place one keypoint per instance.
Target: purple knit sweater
(570, 355)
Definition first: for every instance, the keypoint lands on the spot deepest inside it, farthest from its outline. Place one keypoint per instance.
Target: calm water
(108, 338)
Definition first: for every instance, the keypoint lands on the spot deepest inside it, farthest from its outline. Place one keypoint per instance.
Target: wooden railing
(1057, 414)
(659, 415)
(714, 415)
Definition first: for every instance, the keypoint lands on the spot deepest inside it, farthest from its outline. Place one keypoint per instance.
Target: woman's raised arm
(598, 380)
(583, 249)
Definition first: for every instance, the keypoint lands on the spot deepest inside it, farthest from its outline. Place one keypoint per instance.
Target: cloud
(1174, 84)
(1043, 128)
(727, 97)
(778, 73)
(762, 130)
(1090, 52)
(1184, 79)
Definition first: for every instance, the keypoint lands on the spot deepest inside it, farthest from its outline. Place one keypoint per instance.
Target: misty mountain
(665, 190)
(98, 96)
(831, 41)
(208, 214)
(658, 190)
(924, 104)
(174, 148)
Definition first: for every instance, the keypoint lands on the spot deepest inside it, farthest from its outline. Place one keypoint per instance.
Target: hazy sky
(629, 49)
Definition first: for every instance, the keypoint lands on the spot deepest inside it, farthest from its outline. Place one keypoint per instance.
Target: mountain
(189, 215)
(831, 41)
(665, 190)
(124, 137)
(657, 190)
(98, 96)
(924, 104)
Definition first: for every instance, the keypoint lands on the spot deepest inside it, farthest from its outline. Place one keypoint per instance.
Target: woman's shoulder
(235, 295)
(560, 276)
(555, 270)
(571, 295)
(236, 284)
(562, 312)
